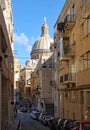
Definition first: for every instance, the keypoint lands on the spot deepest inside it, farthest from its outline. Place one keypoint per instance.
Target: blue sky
(28, 18)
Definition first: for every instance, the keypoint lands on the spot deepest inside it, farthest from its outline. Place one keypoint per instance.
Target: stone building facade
(16, 80)
(6, 65)
(24, 78)
(72, 36)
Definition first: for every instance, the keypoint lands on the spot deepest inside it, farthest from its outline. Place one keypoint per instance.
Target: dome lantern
(44, 28)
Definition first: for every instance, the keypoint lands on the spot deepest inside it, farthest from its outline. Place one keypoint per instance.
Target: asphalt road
(29, 124)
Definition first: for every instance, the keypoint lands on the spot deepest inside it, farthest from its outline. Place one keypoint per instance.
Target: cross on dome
(44, 19)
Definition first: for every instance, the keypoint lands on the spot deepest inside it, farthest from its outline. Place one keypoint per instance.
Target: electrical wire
(23, 57)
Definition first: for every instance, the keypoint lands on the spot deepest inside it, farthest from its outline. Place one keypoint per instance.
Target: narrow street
(26, 123)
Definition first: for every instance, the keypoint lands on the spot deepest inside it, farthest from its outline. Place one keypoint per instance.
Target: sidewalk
(15, 125)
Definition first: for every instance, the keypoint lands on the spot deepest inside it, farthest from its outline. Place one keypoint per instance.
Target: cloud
(31, 42)
(23, 40)
(29, 48)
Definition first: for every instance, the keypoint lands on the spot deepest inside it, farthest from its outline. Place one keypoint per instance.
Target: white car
(40, 118)
(34, 114)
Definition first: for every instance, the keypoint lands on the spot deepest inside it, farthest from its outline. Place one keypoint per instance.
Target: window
(84, 29)
(88, 98)
(73, 96)
(61, 47)
(81, 97)
(73, 9)
(85, 61)
(89, 25)
(88, 60)
(68, 113)
(73, 116)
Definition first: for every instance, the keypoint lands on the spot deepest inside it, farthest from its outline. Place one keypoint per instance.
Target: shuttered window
(88, 98)
(88, 25)
(88, 59)
(81, 97)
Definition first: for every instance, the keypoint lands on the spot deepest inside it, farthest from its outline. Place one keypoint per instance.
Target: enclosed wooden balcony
(69, 21)
(69, 51)
(60, 27)
(68, 78)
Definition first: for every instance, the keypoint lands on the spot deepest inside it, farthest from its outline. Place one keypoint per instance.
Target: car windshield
(48, 116)
(37, 114)
(86, 127)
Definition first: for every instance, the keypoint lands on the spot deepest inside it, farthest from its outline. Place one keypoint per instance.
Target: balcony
(69, 21)
(61, 29)
(68, 78)
(53, 83)
(69, 51)
(61, 79)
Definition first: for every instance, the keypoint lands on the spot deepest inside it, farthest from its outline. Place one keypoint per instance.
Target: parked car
(61, 123)
(34, 109)
(32, 106)
(34, 114)
(81, 125)
(24, 109)
(46, 119)
(41, 116)
(53, 123)
(68, 124)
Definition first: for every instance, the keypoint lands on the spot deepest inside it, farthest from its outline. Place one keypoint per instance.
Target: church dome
(42, 45)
